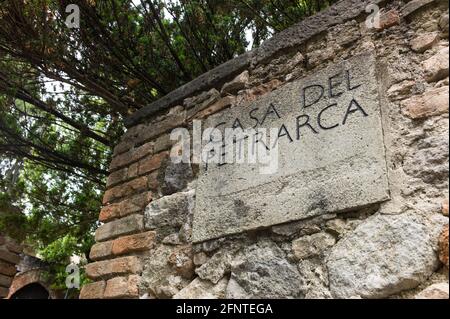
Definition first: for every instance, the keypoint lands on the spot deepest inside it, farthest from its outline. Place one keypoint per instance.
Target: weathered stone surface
(435, 291)
(231, 199)
(389, 19)
(401, 90)
(132, 187)
(221, 104)
(126, 207)
(9, 256)
(122, 287)
(310, 246)
(93, 290)
(159, 280)
(101, 250)
(443, 22)
(5, 281)
(181, 260)
(432, 102)
(445, 207)
(7, 269)
(3, 292)
(263, 272)
(217, 266)
(443, 246)
(133, 243)
(176, 177)
(413, 6)
(114, 267)
(237, 84)
(436, 67)
(131, 156)
(124, 226)
(314, 283)
(202, 100)
(385, 255)
(168, 212)
(429, 161)
(203, 289)
(424, 42)
(152, 163)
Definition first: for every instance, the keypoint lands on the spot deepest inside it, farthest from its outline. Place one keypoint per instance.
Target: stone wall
(395, 248)
(9, 258)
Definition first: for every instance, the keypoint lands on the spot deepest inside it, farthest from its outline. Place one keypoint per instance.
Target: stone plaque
(331, 155)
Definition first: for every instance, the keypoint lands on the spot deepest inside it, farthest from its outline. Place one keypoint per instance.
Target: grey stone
(328, 171)
(314, 279)
(237, 84)
(176, 177)
(203, 289)
(385, 255)
(311, 246)
(169, 212)
(443, 23)
(217, 266)
(413, 6)
(262, 271)
(158, 279)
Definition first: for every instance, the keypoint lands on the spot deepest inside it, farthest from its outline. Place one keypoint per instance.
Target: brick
(9, 257)
(133, 170)
(223, 103)
(436, 67)
(3, 292)
(153, 130)
(14, 247)
(101, 250)
(129, 188)
(152, 163)
(433, 102)
(5, 281)
(135, 204)
(7, 269)
(133, 243)
(124, 226)
(93, 290)
(163, 143)
(114, 267)
(109, 212)
(132, 155)
(117, 177)
(153, 182)
(122, 287)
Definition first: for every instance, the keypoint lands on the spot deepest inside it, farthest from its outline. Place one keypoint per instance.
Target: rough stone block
(432, 102)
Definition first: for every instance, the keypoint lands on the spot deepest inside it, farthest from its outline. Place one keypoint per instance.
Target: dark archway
(31, 291)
